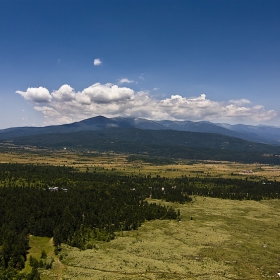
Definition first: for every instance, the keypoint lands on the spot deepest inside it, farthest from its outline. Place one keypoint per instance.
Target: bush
(43, 254)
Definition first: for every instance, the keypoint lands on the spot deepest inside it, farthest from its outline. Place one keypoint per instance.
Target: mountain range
(173, 139)
(259, 134)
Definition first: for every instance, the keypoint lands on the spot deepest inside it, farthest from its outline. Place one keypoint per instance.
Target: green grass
(224, 239)
(37, 245)
(216, 239)
(121, 164)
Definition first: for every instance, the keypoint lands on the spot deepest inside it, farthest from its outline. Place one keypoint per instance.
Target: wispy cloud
(66, 105)
(125, 81)
(97, 62)
(240, 102)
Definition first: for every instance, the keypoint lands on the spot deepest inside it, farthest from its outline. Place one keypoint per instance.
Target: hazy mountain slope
(165, 143)
(267, 134)
(95, 123)
(259, 134)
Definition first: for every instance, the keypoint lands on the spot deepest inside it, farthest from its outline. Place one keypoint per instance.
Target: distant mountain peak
(262, 134)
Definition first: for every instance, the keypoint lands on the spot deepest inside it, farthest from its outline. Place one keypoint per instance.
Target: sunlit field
(120, 163)
(216, 239)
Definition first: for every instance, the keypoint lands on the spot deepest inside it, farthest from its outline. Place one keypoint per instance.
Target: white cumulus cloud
(38, 95)
(97, 62)
(64, 93)
(66, 105)
(107, 93)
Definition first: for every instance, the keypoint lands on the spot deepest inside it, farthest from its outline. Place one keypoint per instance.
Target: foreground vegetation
(35, 200)
(216, 239)
(125, 217)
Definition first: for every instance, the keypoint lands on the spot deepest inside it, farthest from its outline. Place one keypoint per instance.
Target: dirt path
(58, 266)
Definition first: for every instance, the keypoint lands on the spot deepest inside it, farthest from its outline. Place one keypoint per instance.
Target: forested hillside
(259, 134)
(164, 143)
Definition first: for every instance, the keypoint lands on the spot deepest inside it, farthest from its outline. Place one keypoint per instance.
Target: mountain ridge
(157, 143)
(163, 139)
(259, 134)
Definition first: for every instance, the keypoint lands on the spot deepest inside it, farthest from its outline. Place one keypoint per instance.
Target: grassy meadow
(215, 239)
(120, 163)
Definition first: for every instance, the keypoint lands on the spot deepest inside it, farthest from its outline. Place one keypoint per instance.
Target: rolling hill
(260, 134)
(157, 143)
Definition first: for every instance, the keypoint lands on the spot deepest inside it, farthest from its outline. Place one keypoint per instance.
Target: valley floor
(216, 239)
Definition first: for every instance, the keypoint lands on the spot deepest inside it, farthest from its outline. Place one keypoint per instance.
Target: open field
(37, 245)
(216, 239)
(120, 163)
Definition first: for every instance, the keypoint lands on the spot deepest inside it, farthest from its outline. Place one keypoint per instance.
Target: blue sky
(187, 60)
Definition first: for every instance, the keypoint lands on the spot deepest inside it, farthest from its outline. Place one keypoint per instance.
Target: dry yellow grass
(225, 239)
(118, 163)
